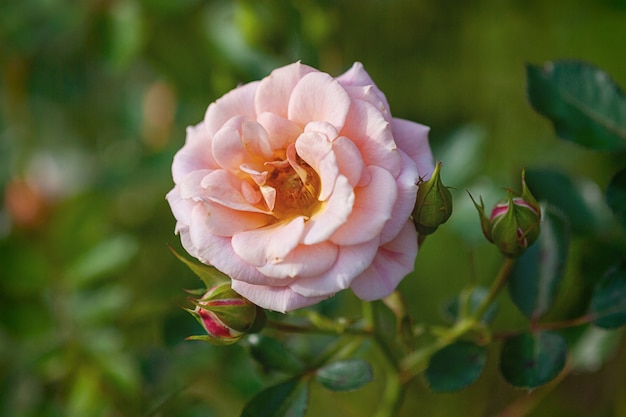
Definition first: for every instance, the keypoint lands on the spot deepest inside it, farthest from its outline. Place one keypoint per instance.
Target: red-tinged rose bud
(226, 316)
(514, 224)
(433, 204)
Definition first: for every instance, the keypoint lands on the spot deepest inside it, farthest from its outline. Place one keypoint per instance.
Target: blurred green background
(95, 98)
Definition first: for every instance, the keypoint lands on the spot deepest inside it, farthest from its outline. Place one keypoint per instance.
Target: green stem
(306, 328)
(496, 287)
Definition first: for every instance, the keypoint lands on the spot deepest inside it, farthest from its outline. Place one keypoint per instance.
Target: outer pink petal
(195, 154)
(280, 131)
(372, 95)
(349, 159)
(372, 134)
(318, 97)
(412, 138)
(237, 102)
(223, 221)
(181, 208)
(372, 208)
(270, 244)
(392, 263)
(274, 90)
(332, 215)
(357, 76)
(351, 261)
(407, 191)
(303, 261)
(281, 299)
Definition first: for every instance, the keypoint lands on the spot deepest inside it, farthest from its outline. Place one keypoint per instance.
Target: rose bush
(301, 185)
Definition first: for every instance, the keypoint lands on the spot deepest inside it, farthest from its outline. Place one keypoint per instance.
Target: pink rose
(301, 185)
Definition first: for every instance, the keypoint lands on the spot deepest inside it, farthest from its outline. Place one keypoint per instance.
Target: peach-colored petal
(332, 215)
(237, 102)
(270, 244)
(195, 155)
(407, 190)
(349, 159)
(181, 208)
(223, 221)
(281, 299)
(372, 208)
(356, 76)
(316, 150)
(224, 188)
(372, 95)
(190, 186)
(280, 131)
(228, 148)
(256, 140)
(412, 138)
(372, 134)
(303, 261)
(324, 128)
(394, 261)
(351, 261)
(317, 96)
(274, 91)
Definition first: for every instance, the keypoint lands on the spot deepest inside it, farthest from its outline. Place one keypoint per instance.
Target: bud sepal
(433, 204)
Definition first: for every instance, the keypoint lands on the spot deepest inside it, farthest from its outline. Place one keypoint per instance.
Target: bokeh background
(95, 97)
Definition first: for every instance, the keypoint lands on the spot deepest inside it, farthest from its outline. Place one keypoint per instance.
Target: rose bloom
(301, 185)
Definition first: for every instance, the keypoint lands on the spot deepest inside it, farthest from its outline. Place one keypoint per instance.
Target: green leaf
(344, 375)
(272, 354)
(616, 197)
(537, 273)
(608, 302)
(288, 399)
(456, 366)
(474, 299)
(533, 359)
(583, 103)
(579, 200)
(207, 273)
(594, 348)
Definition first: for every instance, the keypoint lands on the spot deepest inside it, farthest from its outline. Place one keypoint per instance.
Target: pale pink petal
(372, 134)
(181, 208)
(274, 90)
(281, 299)
(224, 188)
(412, 138)
(349, 159)
(270, 244)
(280, 131)
(228, 148)
(351, 261)
(372, 95)
(316, 150)
(357, 76)
(190, 186)
(237, 102)
(319, 97)
(195, 155)
(392, 263)
(303, 261)
(407, 190)
(324, 128)
(223, 221)
(373, 206)
(255, 139)
(332, 215)
(251, 194)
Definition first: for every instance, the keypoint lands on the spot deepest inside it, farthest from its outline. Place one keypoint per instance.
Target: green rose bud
(226, 316)
(433, 205)
(514, 224)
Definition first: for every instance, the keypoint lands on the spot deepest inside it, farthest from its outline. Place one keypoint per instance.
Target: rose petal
(372, 134)
(349, 159)
(223, 221)
(237, 102)
(392, 263)
(316, 150)
(351, 261)
(281, 299)
(181, 208)
(357, 76)
(319, 97)
(274, 91)
(373, 206)
(280, 131)
(195, 155)
(372, 95)
(332, 215)
(303, 261)
(224, 188)
(256, 140)
(412, 138)
(407, 190)
(270, 244)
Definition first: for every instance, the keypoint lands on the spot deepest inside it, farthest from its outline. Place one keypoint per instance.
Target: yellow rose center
(297, 190)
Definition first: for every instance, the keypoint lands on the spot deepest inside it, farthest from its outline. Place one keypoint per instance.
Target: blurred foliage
(95, 97)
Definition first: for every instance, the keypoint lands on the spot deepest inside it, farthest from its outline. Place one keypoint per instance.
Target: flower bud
(226, 316)
(514, 224)
(433, 205)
